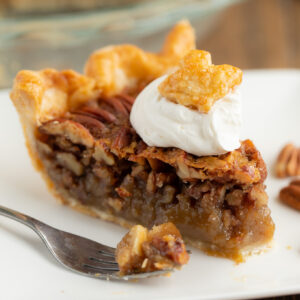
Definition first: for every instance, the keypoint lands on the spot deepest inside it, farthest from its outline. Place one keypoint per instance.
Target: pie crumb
(142, 250)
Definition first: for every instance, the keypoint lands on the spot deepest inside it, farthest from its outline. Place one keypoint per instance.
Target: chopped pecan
(104, 173)
(86, 157)
(136, 170)
(128, 183)
(130, 248)
(70, 162)
(69, 129)
(258, 196)
(235, 198)
(227, 218)
(183, 170)
(154, 163)
(151, 183)
(65, 145)
(168, 194)
(196, 190)
(115, 203)
(139, 171)
(164, 178)
(122, 192)
(288, 161)
(188, 173)
(290, 195)
(102, 153)
(44, 148)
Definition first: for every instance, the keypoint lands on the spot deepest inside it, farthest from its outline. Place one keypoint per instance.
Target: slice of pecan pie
(80, 137)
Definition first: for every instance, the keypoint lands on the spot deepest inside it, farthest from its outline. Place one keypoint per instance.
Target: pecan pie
(80, 137)
(146, 251)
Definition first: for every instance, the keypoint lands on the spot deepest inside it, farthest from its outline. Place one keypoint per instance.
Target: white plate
(271, 109)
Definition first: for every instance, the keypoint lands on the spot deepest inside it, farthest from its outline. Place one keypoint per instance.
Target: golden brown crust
(40, 96)
(198, 83)
(244, 165)
(47, 94)
(126, 66)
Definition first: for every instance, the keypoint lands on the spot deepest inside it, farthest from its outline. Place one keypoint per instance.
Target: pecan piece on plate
(288, 161)
(290, 195)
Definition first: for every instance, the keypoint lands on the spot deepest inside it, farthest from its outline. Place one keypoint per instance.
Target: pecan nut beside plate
(290, 195)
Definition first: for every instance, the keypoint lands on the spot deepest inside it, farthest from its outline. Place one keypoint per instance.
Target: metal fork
(76, 253)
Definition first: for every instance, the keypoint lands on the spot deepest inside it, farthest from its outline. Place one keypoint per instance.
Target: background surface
(257, 34)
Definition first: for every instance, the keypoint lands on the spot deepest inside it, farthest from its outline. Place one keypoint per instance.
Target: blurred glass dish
(30, 7)
(31, 39)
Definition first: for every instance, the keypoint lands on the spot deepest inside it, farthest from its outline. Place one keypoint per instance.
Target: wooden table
(257, 34)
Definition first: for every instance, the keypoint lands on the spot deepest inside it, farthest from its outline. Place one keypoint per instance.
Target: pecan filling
(94, 156)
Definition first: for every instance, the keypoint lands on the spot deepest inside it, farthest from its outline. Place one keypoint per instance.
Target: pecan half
(127, 105)
(295, 182)
(116, 104)
(288, 161)
(290, 195)
(122, 138)
(88, 121)
(127, 98)
(98, 112)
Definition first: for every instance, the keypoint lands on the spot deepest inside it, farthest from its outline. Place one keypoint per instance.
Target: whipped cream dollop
(162, 123)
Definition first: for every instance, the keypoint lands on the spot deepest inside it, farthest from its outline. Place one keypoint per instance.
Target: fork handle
(22, 218)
